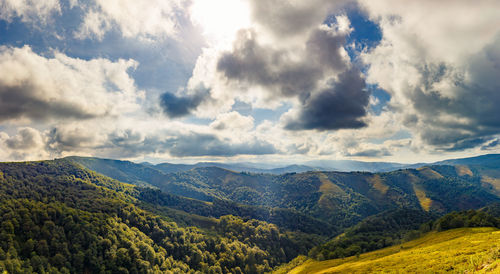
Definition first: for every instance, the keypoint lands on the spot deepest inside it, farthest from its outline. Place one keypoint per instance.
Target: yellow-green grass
(464, 250)
(378, 184)
(425, 202)
(429, 173)
(285, 268)
(463, 170)
(494, 183)
(328, 190)
(328, 187)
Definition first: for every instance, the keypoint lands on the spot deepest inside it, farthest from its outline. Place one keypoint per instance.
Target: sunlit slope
(457, 250)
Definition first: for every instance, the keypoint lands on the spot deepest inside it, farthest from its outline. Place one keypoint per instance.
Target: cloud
(291, 18)
(365, 148)
(463, 144)
(281, 70)
(17, 102)
(187, 145)
(342, 105)
(177, 106)
(233, 121)
(252, 64)
(29, 11)
(133, 18)
(210, 145)
(325, 45)
(26, 138)
(442, 74)
(373, 153)
(72, 138)
(28, 143)
(290, 58)
(491, 145)
(33, 87)
(282, 57)
(168, 139)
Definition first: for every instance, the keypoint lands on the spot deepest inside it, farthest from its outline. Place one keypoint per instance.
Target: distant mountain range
(239, 167)
(329, 165)
(323, 165)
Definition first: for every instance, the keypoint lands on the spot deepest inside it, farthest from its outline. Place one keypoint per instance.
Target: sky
(268, 81)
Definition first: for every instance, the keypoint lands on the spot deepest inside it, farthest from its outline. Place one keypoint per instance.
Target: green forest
(59, 218)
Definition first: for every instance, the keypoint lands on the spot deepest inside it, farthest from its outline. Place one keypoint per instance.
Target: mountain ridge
(340, 198)
(315, 165)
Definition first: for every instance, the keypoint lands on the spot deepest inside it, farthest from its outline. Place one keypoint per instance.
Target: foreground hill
(457, 250)
(58, 217)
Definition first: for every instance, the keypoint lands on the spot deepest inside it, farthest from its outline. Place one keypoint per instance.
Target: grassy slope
(456, 250)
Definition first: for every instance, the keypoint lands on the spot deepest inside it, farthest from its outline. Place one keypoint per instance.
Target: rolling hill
(340, 199)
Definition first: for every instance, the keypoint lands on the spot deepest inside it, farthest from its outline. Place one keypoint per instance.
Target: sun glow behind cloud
(220, 19)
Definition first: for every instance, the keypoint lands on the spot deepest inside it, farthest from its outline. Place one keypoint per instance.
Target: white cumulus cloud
(34, 87)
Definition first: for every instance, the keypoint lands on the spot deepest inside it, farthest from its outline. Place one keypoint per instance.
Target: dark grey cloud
(27, 143)
(22, 102)
(132, 144)
(254, 64)
(474, 107)
(177, 106)
(342, 105)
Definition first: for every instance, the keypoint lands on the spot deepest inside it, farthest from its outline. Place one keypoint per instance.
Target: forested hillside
(59, 218)
(339, 199)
